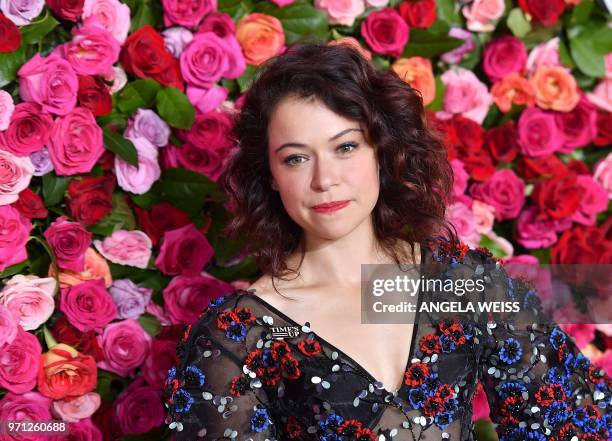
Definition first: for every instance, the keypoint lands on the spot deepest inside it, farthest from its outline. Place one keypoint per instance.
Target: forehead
(306, 121)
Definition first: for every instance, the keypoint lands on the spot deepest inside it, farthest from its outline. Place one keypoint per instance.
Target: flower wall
(114, 127)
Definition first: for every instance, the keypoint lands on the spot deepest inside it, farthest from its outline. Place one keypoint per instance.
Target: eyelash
(288, 159)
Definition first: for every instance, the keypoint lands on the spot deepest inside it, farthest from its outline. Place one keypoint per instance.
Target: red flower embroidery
(416, 374)
(309, 347)
(430, 344)
(294, 428)
(225, 319)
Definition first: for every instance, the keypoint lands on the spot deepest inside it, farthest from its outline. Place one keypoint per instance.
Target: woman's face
(317, 156)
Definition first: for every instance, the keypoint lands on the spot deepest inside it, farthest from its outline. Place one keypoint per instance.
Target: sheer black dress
(238, 381)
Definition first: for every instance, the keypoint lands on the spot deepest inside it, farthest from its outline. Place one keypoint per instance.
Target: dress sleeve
(538, 383)
(211, 394)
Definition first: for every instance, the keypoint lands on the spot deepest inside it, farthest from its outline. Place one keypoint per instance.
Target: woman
(337, 167)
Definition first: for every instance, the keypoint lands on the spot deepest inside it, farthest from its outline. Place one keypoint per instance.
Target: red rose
(543, 167)
(502, 142)
(84, 342)
(94, 95)
(447, 132)
(470, 134)
(69, 10)
(478, 164)
(418, 13)
(578, 245)
(91, 198)
(578, 167)
(604, 129)
(107, 160)
(145, 56)
(557, 197)
(10, 37)
(105, 419)
(160, 218)
(30, 205)
(546, 12)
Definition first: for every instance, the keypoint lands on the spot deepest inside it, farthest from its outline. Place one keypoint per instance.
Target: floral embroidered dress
(236, 380)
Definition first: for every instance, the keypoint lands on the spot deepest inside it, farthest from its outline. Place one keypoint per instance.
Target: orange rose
(354, 43)
(417, 72)
(96, 267)
(513, 89)
(555, 88)
(64, 372)
(261, 37)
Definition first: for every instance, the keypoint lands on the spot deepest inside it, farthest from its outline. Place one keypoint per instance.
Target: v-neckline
(356, 364)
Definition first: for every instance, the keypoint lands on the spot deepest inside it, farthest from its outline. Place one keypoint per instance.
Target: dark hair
(415, 176)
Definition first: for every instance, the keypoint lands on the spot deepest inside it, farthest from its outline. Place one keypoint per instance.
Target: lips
(331, 204)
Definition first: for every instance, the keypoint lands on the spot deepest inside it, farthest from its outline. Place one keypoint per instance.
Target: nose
(325, 174)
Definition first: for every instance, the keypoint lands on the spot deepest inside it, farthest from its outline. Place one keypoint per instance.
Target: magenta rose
(69, 241)
(13, 236)
(188, 13)
(209, 57)
(532, 232)
(185, 297)
(578, 126)
(184, 250)
(88, 305)
(30, 406)
(83, 430)
(504, 190)
(161, 358)
(386, 32)
(28, 130)
(125, 345)
(538, 133)
(504, 55)
(139, 408)
(93, 50)
(20, 361)
(76, 143)
(593, 200)
(50, 82)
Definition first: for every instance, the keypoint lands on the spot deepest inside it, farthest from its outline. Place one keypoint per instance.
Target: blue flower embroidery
(511, 351)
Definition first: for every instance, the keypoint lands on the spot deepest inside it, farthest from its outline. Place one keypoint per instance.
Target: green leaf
(302, 20)
(37, 30)
(246, 79)
(174, 107)
(113, 119)
(49, 340)
(150, 324)
(564, 55)
(121, 146)
(447, 13)
(581, 12)
(14, 269)
(587, 59)
(188, 190)
(425, 43)
(491, 246)
(147, 13)
(517, 23)
(53, 188)
(236, 8)
(148, 199)
(11, 62)
(139, 94)
(438, 101)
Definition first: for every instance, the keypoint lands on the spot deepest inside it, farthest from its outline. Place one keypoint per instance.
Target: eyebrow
(336, 136)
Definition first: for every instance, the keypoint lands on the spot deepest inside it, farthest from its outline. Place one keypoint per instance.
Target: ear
(273, 184)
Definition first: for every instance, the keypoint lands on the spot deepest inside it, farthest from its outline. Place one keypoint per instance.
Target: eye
(289, 159)
(347, 144)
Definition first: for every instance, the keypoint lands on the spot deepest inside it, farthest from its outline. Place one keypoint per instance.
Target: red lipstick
(331, 206)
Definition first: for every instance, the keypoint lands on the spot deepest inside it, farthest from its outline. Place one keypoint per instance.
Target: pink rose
(504, 190)
(88, 305)
(602, 173)
(593, 200)
(207, 100)
(14, 232)
(185, 297)
(131, 248)
(69, 241)
(175, 40)
(139, 408)
(113, 15)
(149, 125)
(504, 55)
(462, 217)
(8, 326)
(50, 82)
(209, 57)
(386, 32)
(139, 180)
(125, 345)
(85, 430)
(221, 23)
(118, 79)
(93, 50)
(76, 409)
(30, 298)
(538, 133)
(76, 143)
(601, 95)
(578, 126)
(28, 130)
(131, 300)
(341, 12)
(532, 232)
(484, 216)
(188, 13)
(7, 107)
(465, 94)
(15, 177)
(161, 358)
(19, 363)
(21, 12)
(544, 54)
(456, 55)
(184, 250)
(481, 14)
(582, 333)
(461, 177)
(30, 406)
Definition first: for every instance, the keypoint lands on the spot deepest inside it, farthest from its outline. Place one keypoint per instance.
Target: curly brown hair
(416, 178)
